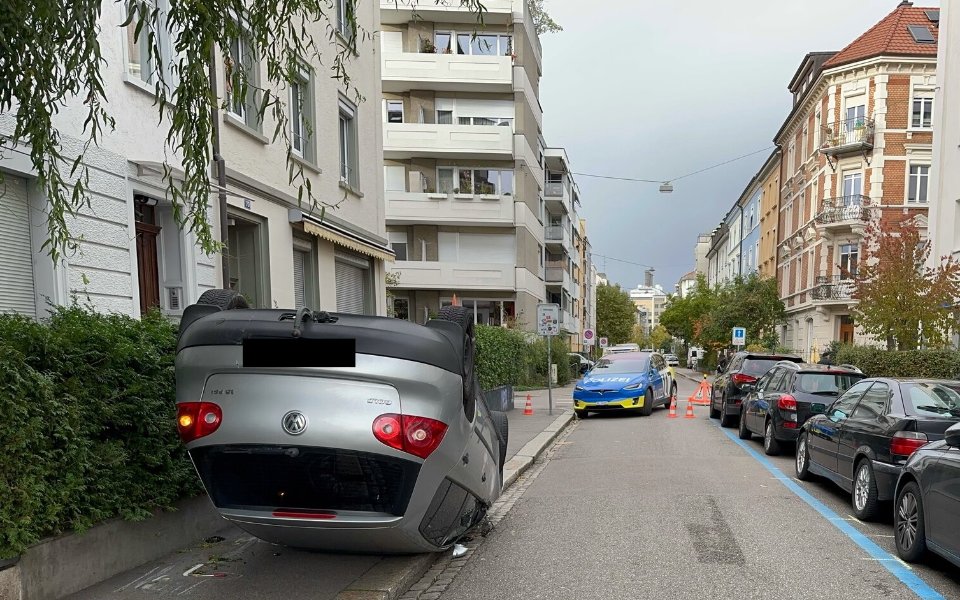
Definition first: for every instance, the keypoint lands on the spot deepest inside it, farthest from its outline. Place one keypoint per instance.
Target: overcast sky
(655, 90)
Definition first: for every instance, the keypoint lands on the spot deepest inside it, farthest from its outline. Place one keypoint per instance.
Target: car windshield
(931, 399)
(758, 366)
(827, 384)
(623, 365)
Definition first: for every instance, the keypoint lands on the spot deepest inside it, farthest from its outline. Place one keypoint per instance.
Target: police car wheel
(581, 414)
(647, 408)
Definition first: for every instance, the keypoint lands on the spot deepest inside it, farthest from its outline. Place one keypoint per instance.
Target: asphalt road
(649, 507)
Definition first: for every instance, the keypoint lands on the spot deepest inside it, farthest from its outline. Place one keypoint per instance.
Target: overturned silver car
(338, 432)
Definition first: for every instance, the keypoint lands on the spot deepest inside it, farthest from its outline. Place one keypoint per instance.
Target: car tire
(742, 432)
(673, 393)
(501, 424)
(864, 498)
(802, 462)
(771, 446)
(647, 409)
(908, 524)
(725, 419)
(714, 413)
(581, 414)
(223, 299)
(464, 318)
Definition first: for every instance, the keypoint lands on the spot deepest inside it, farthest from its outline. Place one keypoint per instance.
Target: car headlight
(635, 386)
(579, 388)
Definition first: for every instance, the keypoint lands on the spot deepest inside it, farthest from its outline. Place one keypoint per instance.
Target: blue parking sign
(739, 336)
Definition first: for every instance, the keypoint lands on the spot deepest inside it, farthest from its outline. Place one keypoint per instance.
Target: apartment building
(650, 301)
(585, 295)
(565, 242)
(856, 147)
(700, 261)
(687, 284)
(769, 178)
(945, 170)
(718, 265)
(132, 255)
(463, 163)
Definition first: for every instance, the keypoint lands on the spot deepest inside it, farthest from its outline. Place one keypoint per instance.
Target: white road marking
(192, 569)
(137, 581)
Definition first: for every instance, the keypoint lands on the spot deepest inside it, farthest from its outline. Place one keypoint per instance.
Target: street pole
(549, 375)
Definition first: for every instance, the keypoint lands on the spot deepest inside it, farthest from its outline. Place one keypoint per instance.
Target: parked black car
(728, 392)
(867, 435)
(927, 509)
(790, 393)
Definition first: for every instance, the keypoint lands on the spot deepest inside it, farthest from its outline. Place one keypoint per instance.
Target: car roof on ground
(818, 368)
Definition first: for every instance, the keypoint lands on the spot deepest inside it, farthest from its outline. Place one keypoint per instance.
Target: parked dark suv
(744, 368)
(789, 394)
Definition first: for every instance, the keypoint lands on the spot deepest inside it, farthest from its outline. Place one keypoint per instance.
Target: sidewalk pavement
(247, 565)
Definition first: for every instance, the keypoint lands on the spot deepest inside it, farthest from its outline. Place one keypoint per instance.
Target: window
(856, 116)
(792, 158)
(852, 188)
(931, 400)
(483, 44)
(242, 59)
(444, 117)
(346, 24)
(849, 257)
(142, 61)
(246, 260)
(922, 113)
(816, 129)
(18, 294)
(398, 243)
(352, 273)
(305, 277)
(442, 42)
(494, 121)
(844, 405)
(301, 116)
(348, 144)
(401, 308)
(803, 144)
(489, 182)
(873, 405)
(919, 181)
(394, 111)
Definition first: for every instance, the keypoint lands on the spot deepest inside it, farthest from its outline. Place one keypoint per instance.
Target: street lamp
(666, 187)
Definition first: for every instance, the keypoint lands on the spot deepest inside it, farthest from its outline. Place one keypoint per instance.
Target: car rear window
(826, 383)
(757, 366)
(931, 400)
(622, 365)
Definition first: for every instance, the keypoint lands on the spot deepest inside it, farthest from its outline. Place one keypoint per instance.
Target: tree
(660, 338)
(750, 302)
(616, 314)
(901, 299)
(51, 56)
(542, 22)
(684, 317)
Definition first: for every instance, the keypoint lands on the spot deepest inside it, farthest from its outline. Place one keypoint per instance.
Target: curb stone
(392, 576)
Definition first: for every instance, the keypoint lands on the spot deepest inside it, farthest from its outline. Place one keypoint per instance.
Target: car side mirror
(952, 436)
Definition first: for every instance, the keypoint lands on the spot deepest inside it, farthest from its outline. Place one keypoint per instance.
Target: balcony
(406, 71)
(556, 276)
(843, 214)
(850, 135)
(401, 12)
(426, 275)
(403, 141)
(832, 289)
(557, 236)
(556, 195)
(403, 208)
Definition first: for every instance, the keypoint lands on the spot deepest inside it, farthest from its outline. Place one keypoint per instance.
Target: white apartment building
(650, 301)
(565, 241)
(463, 159)
(132, 256)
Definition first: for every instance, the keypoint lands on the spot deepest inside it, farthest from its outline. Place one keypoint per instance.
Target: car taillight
(740, 378)
(197, 419)
(418, 436)
(787, 402)
(905, 443)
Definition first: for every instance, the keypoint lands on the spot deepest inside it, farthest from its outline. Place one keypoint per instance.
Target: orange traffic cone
(673, 408)
(689, 414)
(528, 409)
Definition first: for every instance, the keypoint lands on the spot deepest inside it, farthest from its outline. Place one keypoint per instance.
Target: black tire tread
(806, 475)
(464, 318)
(223, 299)
(501, 424)
(774, 449)
(647, 408)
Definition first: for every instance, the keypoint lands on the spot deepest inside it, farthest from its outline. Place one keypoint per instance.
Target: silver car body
(269, 479)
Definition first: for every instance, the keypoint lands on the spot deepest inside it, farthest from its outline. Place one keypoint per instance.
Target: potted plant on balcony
(427, 46)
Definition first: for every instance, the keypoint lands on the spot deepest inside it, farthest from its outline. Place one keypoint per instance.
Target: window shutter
(349, 288)
(299, 266)
(16, 255)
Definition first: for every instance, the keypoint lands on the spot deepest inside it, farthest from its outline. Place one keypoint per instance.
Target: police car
(625, 381)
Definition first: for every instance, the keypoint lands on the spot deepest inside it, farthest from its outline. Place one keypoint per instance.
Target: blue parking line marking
(891, 563)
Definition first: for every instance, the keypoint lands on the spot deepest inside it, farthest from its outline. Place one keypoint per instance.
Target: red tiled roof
(890, 37)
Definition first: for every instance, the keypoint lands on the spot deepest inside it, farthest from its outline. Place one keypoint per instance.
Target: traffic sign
(589, 337)
(603, 342)
(739, 336)
(548, 319)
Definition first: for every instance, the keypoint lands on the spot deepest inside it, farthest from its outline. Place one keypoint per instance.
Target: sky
(656, 90)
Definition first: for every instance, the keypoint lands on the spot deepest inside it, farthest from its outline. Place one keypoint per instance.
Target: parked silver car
(338, 432)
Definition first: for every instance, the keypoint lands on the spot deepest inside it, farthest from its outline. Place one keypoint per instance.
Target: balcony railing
(554, 189)
(554, 232)
(832, 287)
(848, 135)
(844, 208)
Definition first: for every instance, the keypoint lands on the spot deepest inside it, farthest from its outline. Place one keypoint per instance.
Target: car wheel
(908, 525)
(802, 463)
(647, 408)
(864, 500)
(725, 419)
(501, 424)
(581, 414)
(771, 447)
(742, 430)
(673, 393)
(714, 413)
(464, 318)
(223, 299)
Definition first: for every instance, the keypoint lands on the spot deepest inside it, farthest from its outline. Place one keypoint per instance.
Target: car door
(765, 386)
(657, 376)
(723, 379)
(866, 427)
(942, 501)
(769, 398)
(824, 430)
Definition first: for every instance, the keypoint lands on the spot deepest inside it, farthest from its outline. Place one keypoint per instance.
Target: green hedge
(512, 357)
(87, 423)
(877, 362)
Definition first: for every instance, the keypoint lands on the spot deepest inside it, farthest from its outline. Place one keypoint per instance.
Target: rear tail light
(740, 378)
(787, 402)
(905, 443)
(197, 419)
(418, 436)
(788, 410)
